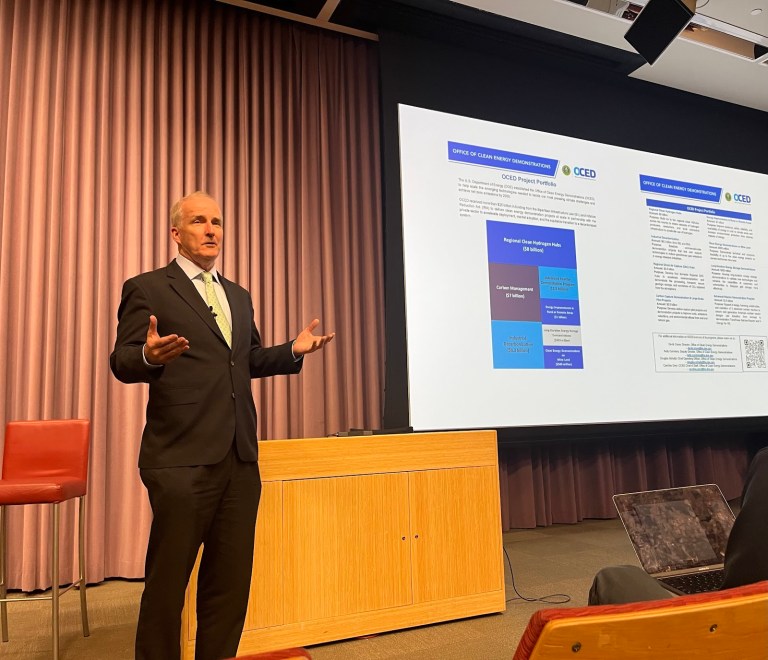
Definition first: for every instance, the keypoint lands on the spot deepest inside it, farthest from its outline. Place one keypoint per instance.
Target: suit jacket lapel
(182, 285)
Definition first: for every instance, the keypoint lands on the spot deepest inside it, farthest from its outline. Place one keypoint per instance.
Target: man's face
(200, 232)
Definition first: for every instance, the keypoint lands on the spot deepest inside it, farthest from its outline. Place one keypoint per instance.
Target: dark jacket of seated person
(746, 555)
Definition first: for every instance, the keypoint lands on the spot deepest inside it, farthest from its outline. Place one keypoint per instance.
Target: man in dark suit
(746, 555)
(190, 334)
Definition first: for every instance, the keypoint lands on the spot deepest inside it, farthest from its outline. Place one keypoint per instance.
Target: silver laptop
(679, 534)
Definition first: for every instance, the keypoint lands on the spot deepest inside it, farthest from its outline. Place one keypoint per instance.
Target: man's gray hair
(176, 208)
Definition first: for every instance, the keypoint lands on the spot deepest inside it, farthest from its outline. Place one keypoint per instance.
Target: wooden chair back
(732, 623)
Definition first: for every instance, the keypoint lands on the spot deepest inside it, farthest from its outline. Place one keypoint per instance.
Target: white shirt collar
(192, 270)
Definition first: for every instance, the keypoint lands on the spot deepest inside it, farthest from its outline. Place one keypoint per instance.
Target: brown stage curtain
(568, 482)
(109, 112)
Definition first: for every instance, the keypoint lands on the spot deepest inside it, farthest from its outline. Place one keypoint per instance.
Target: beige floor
(558, 559)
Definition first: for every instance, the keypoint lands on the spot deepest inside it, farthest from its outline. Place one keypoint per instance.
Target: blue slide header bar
(507, 160)
(690, 208)
(654, 184)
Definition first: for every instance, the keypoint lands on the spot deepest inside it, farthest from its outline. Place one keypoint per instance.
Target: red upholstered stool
(45, 462)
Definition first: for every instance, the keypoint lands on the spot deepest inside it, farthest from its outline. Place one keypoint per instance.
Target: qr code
(754, 353)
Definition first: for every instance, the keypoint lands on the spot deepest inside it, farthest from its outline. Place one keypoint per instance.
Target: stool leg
(3, 587)
(81, 551)
(55, 582)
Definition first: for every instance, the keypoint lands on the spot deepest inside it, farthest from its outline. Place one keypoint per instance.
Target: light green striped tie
(218, 312)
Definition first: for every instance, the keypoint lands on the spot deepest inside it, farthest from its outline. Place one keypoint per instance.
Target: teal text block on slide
(558, 283)
(517, 345)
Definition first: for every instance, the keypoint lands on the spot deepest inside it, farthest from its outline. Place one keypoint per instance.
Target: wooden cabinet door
(346, 545)
(265, 600)
(455, 533)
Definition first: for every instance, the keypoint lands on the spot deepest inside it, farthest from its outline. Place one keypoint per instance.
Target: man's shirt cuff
(144, 357)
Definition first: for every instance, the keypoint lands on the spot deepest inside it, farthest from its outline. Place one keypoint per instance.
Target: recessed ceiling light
(756, 12)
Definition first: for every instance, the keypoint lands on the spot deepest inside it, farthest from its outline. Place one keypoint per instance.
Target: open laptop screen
(677, 528)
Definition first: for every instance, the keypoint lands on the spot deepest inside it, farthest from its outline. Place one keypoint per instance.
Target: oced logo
(584, 173)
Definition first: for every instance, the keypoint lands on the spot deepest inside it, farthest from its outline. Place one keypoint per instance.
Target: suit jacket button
(233, 395)
(231, 364)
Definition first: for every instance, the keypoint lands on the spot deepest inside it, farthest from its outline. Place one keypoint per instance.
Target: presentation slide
(551, 281)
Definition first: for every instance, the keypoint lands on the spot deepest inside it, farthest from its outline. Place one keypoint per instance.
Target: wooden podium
(365, 534)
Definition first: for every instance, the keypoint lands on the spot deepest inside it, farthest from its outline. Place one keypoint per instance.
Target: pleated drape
(109, 112)
(568, 482)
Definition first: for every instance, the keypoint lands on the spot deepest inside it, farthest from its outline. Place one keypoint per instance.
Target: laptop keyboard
(695, 583)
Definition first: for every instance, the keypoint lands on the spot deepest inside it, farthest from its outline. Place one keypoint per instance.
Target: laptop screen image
(677, 529)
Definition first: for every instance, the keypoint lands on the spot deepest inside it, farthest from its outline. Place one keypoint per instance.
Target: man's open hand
(307, 342)
(162, 350)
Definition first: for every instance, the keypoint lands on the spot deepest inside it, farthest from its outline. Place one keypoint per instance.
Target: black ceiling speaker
(657, 26)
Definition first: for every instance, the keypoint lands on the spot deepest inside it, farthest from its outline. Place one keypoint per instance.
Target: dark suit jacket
(746, 557)
(202, 400)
